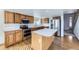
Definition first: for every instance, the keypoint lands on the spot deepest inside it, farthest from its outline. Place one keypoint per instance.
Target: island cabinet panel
(36, 41)
(17, 18)
(9, 38)
(13, 37)
(18, 36)
(40, 42)
(46, 42)
(9, 17)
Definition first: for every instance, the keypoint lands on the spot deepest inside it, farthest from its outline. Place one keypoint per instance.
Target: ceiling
(42, 12)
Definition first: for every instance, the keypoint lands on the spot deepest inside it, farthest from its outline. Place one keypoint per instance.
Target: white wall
(76, 29)
(4, 26)
(1, 26)
(37, 20)
(62, 25)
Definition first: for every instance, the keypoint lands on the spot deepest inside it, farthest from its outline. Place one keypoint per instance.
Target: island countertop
(46, 32)
(42, 39)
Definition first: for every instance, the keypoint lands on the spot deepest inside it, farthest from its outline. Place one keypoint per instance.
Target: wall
(76, 29)
(37, 21)
(66, 20)
(1, 26)
(61, 30)
(4, 26)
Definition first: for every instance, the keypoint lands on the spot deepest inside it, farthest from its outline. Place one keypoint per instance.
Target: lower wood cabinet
(18, 35)
(9, 38)
(13, 37)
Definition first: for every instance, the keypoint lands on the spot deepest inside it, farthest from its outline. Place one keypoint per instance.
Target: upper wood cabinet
(27, 17)
(45, 20)
(31, 19)
(17, 18)
(9, 17)
(22, 17)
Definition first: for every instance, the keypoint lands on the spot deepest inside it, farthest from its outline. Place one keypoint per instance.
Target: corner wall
(76, 28)
(1, 26)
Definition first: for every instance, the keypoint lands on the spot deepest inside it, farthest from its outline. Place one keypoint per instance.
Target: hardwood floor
(60, 43)
(25, 45)
(65, 43)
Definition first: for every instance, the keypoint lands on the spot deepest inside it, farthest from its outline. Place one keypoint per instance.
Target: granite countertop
(11, 27)
(46, 32)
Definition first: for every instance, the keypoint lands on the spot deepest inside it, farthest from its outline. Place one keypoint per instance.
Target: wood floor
(65, 43)
(60, 43)
(25, 45)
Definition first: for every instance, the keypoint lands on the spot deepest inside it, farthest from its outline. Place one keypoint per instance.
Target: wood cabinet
(22, 17)
(18, 35)
(13, 37)
(17, 18)
(9, 17)
(9, 38)
(27, 17)
(37, 28)
(31, 19)
(45, 20)
(40, 42)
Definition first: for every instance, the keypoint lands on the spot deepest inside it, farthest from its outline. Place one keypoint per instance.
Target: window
(70, 22)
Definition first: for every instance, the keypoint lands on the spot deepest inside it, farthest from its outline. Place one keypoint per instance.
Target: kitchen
(28, 25)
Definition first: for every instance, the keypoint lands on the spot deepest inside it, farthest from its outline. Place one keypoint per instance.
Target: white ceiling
(43, 12)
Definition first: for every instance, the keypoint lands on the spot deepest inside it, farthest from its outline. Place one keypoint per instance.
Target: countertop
(11, 27)
(46, 32)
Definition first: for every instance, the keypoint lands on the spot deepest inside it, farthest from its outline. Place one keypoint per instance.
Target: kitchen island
(42, 39)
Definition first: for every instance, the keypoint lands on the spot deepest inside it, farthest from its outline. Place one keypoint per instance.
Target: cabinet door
(27, 17)
(31, 19)
(9, 38)
(9, 17)
(18, 35)
(22, 17)
(17, 18)
(45, 20)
